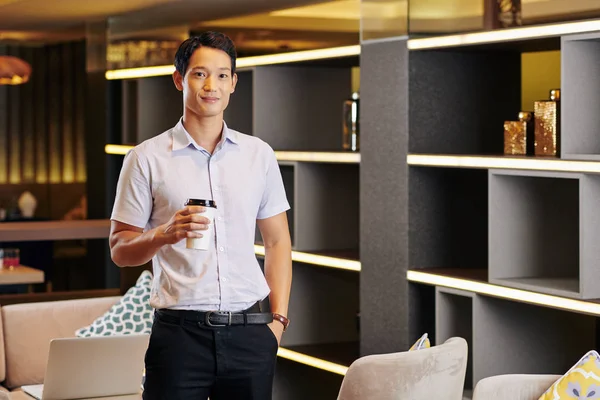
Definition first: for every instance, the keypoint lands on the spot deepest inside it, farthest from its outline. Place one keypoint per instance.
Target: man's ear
(178, 80)
(235, 79)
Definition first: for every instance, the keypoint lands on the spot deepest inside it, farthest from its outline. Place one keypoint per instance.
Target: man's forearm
(278, 272)
(130, 249)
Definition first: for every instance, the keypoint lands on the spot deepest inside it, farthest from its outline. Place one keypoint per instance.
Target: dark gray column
(384, 196)
(101, 272)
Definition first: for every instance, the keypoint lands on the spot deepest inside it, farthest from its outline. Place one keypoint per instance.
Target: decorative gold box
(547, 125)
(518, 135)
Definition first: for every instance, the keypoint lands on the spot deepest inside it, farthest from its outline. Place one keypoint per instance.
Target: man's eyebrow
(203, 67)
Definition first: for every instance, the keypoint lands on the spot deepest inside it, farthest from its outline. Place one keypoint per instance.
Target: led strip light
(317, 259)
(117, 149)
(327, 157)
(504, 35)
(523, 296)
(302, 156)
(427, 160)
(312, 361)
(243, 62)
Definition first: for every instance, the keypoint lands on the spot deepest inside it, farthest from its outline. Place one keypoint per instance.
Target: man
(210, 336)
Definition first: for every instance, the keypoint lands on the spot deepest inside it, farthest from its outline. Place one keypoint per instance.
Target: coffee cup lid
(201, 202)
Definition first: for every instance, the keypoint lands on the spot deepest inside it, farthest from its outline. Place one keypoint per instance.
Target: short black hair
(215, 40)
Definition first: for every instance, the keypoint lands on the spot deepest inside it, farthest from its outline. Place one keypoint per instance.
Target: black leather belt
(221, 318)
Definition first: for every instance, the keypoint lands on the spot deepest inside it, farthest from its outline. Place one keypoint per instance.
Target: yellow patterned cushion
(581, 382)
(422, 343)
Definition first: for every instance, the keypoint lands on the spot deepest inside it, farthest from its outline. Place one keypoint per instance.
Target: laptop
(103, 366)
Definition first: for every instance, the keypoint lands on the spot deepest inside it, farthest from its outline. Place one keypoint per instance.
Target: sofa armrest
(513, 387)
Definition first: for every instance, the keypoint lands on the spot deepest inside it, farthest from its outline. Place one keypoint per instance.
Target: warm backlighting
(312, 361)
(525, 163)
(324, 157)
(502, 292)
(14, 71)
(504, 35)
(301, 156)
(117, 149)
(316, 259)
(244, 62)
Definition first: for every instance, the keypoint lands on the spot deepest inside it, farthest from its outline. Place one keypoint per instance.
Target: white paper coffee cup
(204, 242)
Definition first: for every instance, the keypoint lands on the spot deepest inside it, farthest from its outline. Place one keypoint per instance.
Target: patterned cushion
(582, 381)
(422, 343)
(132, 314)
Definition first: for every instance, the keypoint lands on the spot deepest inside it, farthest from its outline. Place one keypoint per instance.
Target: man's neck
(206, 132)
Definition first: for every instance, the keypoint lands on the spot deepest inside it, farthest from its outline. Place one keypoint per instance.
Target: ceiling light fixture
(14, 71)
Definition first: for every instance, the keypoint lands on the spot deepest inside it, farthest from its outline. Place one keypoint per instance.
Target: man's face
(207, 83)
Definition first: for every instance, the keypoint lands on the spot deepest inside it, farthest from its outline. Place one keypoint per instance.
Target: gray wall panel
(448, 218)
(459, 100)
(384, 197)
(160, 105)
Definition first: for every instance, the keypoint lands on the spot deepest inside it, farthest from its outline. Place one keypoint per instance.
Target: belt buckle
(209, 313)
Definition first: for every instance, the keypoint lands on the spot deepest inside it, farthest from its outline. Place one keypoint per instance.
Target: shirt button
(222, 248)
(219, 218)
(224, 279)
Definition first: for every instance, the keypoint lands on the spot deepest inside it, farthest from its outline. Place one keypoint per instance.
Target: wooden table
(21, 275)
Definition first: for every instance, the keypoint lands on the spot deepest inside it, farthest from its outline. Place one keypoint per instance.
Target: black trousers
(189, 360)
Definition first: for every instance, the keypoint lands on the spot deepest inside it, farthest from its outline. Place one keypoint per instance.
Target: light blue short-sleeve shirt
(242, 176)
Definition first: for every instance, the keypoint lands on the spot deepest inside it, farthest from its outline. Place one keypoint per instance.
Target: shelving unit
(499, 246)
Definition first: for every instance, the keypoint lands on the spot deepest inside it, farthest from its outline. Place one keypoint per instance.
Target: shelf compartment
(311, 289)
(448, 217)
(543, 227)
(515, 338)
(580, 121)
(459, 100)
(502, 162)
(454, 317)
(324, 200)
(287, 108)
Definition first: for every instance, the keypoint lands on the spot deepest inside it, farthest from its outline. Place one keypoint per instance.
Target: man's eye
(223, 76)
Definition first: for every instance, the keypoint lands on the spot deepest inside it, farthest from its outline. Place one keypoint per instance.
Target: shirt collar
(182, 139)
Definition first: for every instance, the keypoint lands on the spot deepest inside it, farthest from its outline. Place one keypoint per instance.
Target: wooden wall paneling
(54, 113)
(67, 112)
(14, 128)
(79, 111)
(40, 89)
(3, 128)
(27, 114)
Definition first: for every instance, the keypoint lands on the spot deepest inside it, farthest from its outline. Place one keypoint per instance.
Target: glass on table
(11, 259)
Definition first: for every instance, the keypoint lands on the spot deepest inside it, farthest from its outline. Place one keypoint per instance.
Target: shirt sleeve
(133, 201)
(274, 199)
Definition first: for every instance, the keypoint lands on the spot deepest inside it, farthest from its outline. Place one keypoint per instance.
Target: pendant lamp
(13, 70)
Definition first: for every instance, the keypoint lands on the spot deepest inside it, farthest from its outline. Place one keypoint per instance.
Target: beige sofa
(26, 331)
(513, 387)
